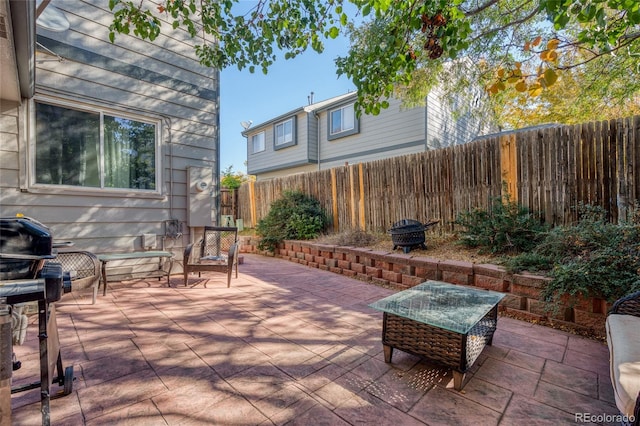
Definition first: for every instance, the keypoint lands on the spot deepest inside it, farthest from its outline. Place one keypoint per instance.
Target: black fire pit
(409, 233)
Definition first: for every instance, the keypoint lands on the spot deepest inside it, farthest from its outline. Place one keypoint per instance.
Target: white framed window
(284, 133)
(257, 142)
(342, 121)
(94, 148)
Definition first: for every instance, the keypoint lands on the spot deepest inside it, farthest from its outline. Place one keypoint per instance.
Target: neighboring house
(327, 134)
(105, 142)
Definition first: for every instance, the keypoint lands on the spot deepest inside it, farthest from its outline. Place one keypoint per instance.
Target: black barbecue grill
(28, 273)
(409, 233)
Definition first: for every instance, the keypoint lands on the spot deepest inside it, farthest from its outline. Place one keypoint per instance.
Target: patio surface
(288, 344)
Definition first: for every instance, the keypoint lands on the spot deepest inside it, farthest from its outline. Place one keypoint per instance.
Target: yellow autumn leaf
(535, 90)
(527, 46)
(536, 41)
(553, 43)
(500, 85)
(521, 86)
(513, 79)
(552, 56)
(517, 72)
(543, 55)
(501, 72)
(493, 89)
(517, 65)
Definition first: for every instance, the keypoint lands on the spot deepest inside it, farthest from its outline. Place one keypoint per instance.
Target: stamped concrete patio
(287, 344)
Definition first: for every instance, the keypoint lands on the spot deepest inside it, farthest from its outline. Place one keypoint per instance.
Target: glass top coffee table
(444, 323)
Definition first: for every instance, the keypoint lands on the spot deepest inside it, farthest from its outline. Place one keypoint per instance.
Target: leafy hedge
(506, 227)
(591, 258)
(295, 216)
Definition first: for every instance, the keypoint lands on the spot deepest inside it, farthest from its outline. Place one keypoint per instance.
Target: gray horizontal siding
(119, 68)
(271, 159)
(160, 79)
(393, 131)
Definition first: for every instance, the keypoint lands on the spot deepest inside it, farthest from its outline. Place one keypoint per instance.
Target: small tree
(295, 216)
(232, 180)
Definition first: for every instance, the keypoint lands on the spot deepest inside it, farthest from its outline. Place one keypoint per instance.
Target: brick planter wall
(401, 271)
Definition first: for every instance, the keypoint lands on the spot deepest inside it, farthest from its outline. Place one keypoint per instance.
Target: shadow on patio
(287, 344)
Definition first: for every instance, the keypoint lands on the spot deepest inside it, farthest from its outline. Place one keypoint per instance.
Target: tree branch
(522, 20)
(480, 8)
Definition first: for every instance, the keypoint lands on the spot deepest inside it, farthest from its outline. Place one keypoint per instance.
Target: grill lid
(24, 238)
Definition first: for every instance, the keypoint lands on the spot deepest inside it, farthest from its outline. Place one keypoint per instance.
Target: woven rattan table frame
(457, 351)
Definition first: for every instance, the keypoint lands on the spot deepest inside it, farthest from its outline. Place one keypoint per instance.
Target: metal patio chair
(84, 269)
(216, 251)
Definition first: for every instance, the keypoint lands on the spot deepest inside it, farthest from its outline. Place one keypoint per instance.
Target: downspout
(426, 123)
(315, 114)
(23, 16)
(216, 166)
(167, 121)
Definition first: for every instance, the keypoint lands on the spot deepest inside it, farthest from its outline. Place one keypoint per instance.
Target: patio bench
(623, 339)
(161, 270)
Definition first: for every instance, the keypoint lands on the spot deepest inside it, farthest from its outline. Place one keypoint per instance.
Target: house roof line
(317, 106)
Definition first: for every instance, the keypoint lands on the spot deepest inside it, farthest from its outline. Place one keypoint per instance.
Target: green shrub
(592, 258)
(506, 228)
(528, 261)
(295, 216)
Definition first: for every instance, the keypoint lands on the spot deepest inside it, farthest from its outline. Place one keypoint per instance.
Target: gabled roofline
(318, 106)
(326, 104)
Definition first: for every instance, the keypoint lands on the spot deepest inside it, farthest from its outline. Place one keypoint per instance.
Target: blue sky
(258, 97)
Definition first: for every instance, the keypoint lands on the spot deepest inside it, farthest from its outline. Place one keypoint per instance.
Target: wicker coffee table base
(449, 349)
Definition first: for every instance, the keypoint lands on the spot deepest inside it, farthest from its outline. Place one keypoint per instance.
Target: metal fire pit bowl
(409, 233)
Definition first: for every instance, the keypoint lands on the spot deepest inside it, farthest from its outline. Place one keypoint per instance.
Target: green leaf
(550, 77)
(334, 32)
(560, 21)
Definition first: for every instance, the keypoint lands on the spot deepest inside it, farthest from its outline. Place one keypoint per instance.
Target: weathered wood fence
(549, 170)
(228, 202)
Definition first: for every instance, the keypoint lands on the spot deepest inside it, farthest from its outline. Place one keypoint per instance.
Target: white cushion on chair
(623, 339)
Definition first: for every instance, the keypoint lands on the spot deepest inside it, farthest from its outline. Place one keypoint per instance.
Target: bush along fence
(548, 170)
(402, 271)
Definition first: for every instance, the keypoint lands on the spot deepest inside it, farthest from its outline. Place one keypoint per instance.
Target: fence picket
(555, 169)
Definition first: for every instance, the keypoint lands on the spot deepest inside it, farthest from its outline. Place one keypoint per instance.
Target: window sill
(94, 192)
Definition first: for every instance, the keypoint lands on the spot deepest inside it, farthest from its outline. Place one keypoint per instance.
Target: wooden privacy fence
(228, 202)
(548, 170)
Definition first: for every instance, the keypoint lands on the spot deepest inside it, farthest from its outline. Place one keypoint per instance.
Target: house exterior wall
(159, 81)
(272, 158)
(445, 129)
(287, 172)
(394, 132)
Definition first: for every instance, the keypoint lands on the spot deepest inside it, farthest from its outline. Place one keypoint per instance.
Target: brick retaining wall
(402, 271)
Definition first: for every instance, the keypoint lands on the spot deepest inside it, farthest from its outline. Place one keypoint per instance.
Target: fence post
(334, 200)
(509, 165)
(353, 197)
(252, 202)
(361, 201)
